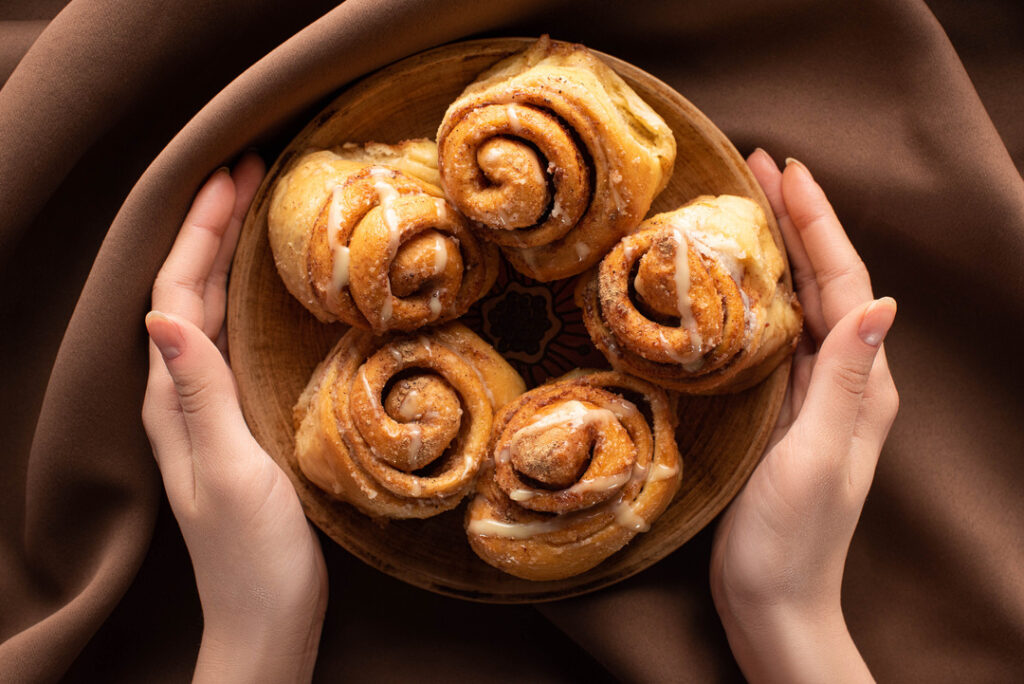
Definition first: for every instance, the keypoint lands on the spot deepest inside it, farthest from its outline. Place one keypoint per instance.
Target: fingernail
(877, 320)
(223, 169)
(164, 333)
(798, 164)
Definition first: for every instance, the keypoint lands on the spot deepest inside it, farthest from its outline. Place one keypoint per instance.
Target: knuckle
(217, 280)
(155, 412)
(167, 282)
(195, 396)
(849, 272)
(802, 278)
(849, 379)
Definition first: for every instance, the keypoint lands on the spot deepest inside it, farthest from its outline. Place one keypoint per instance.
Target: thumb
(203, 382)
(842, 369)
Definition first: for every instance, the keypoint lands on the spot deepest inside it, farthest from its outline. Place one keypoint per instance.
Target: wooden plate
(275, 343)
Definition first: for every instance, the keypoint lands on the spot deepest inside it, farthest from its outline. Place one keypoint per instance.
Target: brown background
(113, 112)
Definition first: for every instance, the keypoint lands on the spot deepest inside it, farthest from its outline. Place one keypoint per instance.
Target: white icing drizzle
(628, 250)
(369, 392)
(640, 470)
(626, 517)
(440, 254)
(386, 195)
(521, 494)
(623, 408)
(425, 343)
(488, 527)
(690, 362)
(339, 274)
(391, 427)
(411, 407)
(721, 247)
(600, 483)
(551, 167)
(513, 119)
(339, 252)
(415, 438)
(569, 414)
(663, 472)
(556, 210)
(435, 304)
(582, 251)
(334, 217)
(529, 255)
(687, 320)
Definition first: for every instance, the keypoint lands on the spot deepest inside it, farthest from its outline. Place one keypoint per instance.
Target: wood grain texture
(275, 343)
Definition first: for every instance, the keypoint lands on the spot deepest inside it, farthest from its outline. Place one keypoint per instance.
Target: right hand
(780, 548)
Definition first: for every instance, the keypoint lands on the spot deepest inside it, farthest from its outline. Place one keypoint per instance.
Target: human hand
(780, 548)
(259, 569)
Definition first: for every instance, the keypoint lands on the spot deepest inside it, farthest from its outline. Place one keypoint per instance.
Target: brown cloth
(115, 111)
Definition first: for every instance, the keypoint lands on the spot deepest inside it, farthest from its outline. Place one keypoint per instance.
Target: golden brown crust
(398, 426)
(555, 156)
(716, 320)
(576, 469)
(372, 245)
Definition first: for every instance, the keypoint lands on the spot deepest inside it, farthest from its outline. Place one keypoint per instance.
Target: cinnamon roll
(695, 300)
(577, 468)
(362, 234)
(554, 156)
(398, 426)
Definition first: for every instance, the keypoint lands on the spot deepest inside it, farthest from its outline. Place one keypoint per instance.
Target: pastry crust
(398, 426)
(555, 156)
(360, 234)
(576, 469)
(715, 318)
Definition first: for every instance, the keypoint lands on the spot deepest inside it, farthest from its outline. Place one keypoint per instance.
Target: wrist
(793, 642)
(259, 648)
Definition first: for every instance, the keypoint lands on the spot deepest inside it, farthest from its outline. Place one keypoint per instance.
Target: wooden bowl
(275, 343)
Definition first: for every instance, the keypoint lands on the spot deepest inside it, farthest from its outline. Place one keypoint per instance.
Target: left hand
(259, 568)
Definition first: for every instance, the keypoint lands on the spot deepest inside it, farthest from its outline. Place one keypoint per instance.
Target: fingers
(770, 178)
(168, 436)
(841, 374)
(840, 275)
(247, 174)
(181, 282)
(878, 411)
(204, 388)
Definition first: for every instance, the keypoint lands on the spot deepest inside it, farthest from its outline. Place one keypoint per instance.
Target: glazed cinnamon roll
(555, 157)
(398, 426)
(361, 234)
(694, 300)
(577, 468)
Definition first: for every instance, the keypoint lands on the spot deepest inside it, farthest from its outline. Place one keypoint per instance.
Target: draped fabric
(112, 114)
